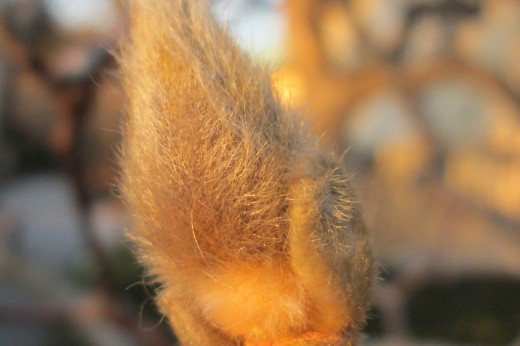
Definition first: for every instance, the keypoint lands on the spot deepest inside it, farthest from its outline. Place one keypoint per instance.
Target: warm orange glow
(290, 86)
(491, 182)
(402, 160)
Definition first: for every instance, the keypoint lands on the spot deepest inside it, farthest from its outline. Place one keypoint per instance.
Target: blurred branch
(410, 81)
(19, 55)
(73, 99)
(451, 10)
(445, 8)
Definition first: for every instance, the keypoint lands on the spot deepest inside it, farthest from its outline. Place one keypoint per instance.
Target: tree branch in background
(73, 99)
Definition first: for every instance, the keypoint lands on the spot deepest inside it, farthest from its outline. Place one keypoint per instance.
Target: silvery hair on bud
(250, 229)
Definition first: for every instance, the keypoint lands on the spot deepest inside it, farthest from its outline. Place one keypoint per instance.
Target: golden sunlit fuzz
(250, 229)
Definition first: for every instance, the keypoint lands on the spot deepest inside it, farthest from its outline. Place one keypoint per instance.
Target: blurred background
(421, 97)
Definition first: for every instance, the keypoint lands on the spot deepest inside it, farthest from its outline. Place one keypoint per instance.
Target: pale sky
(259, 28)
